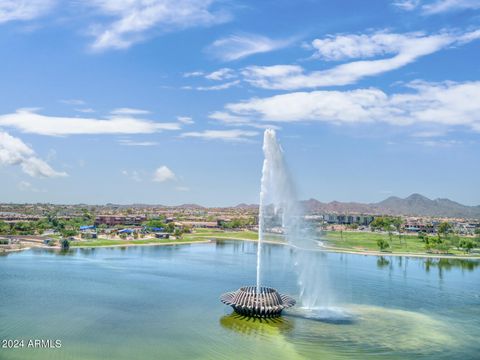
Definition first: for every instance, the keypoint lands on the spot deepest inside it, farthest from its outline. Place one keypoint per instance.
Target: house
(153, 229)
(88, 232)
(112, 220)
(126, 231)
(200, 224)
(87, 227)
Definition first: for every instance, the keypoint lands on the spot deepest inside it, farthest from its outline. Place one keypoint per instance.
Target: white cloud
(14, 151)
(11, 10)
(441, 6)
(218, 75)
(128, 142)
(233, 120)
(440, 143)
(236, 47)
(221, 74)
(28, 121)
(163, 173)
(437, 6)
(223, 86)
(447, 104)
(408, 48)
(134, 19)
(185, 120)
(193, 74)
(407, 5)
(226, 135)
(354, 46)
(129, 111)
(228, 118)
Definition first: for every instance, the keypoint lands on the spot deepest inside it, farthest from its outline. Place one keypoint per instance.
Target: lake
(162, 302)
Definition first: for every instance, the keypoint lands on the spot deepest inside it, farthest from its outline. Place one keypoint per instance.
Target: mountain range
(413, 205)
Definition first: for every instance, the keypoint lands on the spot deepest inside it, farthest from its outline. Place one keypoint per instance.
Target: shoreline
(210, 239)
(148, 244)
(363, 252)
(6, 251)
(417, 255)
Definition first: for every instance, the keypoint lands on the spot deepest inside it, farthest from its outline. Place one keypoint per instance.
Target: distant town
(89, 225)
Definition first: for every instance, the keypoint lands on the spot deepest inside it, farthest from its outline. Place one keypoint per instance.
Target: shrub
(466, 245)
(65, 244)
(383, 244)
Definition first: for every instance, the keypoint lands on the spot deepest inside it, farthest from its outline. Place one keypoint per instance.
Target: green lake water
(162, 302)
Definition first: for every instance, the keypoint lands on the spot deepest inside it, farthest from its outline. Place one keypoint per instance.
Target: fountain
(261, 301)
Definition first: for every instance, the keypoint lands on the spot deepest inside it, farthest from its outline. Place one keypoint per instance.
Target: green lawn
(108, 242)
(359, 241)
(246, 235)
(234, 235)
(346, 240)
(368, 241)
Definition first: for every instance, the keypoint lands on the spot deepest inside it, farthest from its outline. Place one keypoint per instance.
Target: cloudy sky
(165, 101)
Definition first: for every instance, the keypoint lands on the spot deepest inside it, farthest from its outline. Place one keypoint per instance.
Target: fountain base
(266, 303)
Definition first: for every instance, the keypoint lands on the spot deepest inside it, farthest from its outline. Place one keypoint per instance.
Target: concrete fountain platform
(265, 303)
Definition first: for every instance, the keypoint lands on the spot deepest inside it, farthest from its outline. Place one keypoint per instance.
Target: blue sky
(160, 101)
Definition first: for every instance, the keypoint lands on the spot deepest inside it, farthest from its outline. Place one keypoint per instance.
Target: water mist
(279, 207)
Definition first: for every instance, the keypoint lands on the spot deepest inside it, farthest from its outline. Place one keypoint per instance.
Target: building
(200, 224)
(416, 225)
(113, 220)
(340, 219)
(88, 232)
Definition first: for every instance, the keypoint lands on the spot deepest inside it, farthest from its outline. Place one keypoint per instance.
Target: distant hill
(146, 206)
(188, 206)
(247, 206)
(135, 205)
(413, 205)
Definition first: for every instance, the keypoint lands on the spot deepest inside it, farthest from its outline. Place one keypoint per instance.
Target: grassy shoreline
(354, 242)
(119, 243)
(351, 242)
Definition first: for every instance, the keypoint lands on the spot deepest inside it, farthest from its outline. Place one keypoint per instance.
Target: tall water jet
(279, 207)
(276, 188)
(261, 301)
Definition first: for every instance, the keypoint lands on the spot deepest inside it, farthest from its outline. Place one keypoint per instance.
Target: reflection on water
(448, 264)
(382, 262)
(442, 264)
(257, 326)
